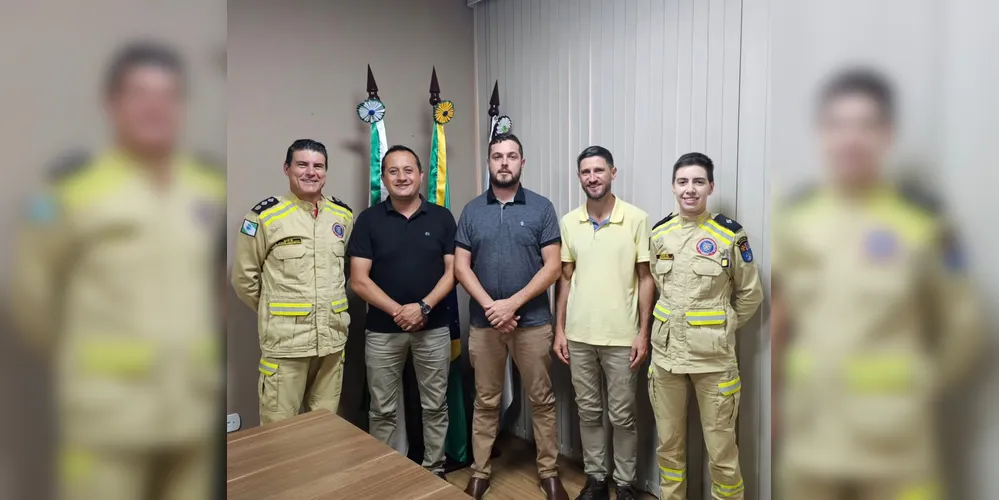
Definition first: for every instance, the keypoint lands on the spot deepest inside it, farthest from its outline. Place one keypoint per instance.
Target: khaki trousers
(385, 357)
(181, 473)
(718, 401)
(591, 367)
(288, 384)
(531, 351)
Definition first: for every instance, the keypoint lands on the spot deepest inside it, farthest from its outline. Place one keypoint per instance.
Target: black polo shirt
(407, 257)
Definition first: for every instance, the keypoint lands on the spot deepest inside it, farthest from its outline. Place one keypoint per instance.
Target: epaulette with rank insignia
(68, 164)
(341, 203)
(264, 205)
(665, 220)
(728, 223)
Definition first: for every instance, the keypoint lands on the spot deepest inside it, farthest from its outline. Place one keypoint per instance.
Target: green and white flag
(372, 111)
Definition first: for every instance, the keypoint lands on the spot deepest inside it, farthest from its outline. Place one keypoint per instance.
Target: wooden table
(319, 455)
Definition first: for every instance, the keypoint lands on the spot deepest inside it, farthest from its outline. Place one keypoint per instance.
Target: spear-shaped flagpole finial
(494, 100)
(372, 86)
(435, 89)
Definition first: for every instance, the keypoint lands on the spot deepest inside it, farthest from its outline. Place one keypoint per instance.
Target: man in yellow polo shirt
(604, 305)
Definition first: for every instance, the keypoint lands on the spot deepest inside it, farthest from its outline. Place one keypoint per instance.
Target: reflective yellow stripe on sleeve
(661, 313)
(267, 368)
(339, 306)
(731, 387)
(282, 210)
(675, 475)
(339, 211)
(666, 228)
(289, 309)
(718, 231)
(728, 491)
(702, 318)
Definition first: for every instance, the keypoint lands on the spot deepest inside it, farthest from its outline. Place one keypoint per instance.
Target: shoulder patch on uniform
(264, 205)
(728, 223)
(68, 164)
(665, 220)
(919, 197)
(341, 203)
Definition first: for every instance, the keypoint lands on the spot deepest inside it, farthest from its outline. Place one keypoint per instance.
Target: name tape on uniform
(294, 240)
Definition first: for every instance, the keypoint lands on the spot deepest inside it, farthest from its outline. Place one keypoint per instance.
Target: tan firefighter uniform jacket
(117, 277)
(698, 264)
(882, 316)
(289, 268)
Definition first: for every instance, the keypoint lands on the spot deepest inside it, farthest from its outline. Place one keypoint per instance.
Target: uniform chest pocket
(709, 276)
(290, 259)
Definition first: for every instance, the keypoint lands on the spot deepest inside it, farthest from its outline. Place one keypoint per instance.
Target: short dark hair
(141, 54)
(306, 145)
(595, 151)
(498, 138)
(695, 159)
(397, 148)
(863, 81)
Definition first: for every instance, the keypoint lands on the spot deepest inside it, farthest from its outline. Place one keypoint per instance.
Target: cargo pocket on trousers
(267, 389)
(707, 334)
(730, 393)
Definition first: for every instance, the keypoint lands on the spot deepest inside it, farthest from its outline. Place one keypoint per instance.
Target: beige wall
(297, 69)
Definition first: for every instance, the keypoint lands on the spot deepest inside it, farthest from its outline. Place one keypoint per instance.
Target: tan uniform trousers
(286, 384)
(591, 367)
(172, 473)
(718, 401)
(385, 356)
(531, 351)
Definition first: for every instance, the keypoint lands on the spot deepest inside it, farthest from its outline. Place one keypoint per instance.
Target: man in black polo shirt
(402, 265)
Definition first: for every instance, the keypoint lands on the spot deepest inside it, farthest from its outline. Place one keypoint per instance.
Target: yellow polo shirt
(603, 293)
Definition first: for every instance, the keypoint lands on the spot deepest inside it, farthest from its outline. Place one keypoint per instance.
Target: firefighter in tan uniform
(289, 268)
(699, 260)
(873, 315)
(116, 280)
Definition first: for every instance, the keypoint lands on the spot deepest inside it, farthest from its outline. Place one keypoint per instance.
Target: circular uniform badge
(338, 229)
(706, 246)
(881, 244)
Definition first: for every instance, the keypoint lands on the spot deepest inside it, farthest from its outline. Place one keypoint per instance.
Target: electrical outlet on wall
(232, 422)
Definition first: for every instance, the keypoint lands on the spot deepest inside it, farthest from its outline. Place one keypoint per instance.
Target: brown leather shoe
(553, 489)
(477, 488)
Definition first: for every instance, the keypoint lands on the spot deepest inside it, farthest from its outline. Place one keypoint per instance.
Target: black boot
(625, 493)
(594, 490)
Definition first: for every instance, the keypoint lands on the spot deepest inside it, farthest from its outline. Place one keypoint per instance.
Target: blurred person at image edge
(117, 280)
(873, 314)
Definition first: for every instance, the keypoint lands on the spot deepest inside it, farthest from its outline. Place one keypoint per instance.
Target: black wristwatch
(424, 308)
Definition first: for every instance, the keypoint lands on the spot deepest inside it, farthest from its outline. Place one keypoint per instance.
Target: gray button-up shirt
(505, 240)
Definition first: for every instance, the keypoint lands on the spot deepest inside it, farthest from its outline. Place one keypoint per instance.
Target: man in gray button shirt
(507, 255)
